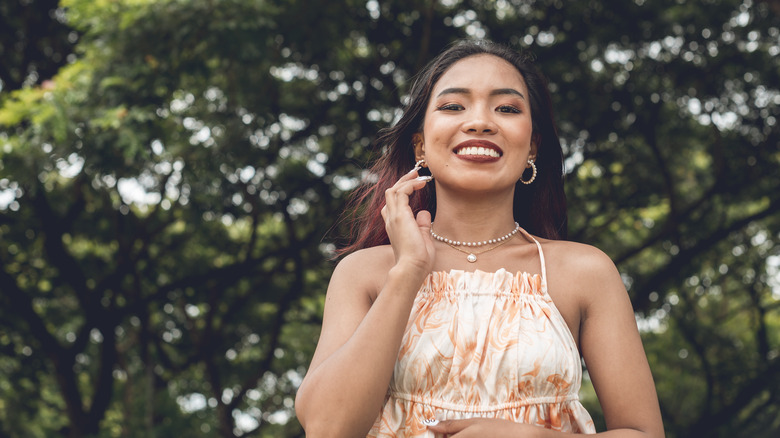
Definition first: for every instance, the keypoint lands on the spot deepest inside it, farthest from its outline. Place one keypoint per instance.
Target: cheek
(436, 133)
(524, 134)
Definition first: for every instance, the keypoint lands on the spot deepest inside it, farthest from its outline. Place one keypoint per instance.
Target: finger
(424, 223)
(397, 203)
(449, 426)
(407, 185)
(424, 219)
(409, 175)
(413, 176)
(398, 195)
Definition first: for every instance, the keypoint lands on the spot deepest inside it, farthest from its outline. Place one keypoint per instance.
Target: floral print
(482, 344)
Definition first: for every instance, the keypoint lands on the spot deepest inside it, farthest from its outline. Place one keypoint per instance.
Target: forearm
(505, 429)
(343, 395)
(615, 433)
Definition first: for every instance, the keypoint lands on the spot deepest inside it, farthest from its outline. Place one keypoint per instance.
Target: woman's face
(477, 132)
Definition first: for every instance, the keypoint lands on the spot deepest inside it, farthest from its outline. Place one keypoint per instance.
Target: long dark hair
(540, 207)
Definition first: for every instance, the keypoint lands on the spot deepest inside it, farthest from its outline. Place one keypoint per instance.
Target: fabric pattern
(482, 344)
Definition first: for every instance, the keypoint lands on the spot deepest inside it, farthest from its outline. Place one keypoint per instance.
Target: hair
(540, 207)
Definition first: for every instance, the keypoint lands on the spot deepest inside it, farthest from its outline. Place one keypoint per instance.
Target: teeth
(478, 150)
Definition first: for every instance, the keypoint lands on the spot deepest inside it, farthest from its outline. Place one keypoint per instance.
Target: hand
(410, 237)
(482, 427)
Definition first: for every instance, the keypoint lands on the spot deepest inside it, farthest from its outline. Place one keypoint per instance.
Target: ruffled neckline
(500, 282)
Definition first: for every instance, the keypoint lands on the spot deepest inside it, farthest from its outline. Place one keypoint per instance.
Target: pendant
(471, 258)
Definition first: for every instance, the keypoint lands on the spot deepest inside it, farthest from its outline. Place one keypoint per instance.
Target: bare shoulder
(365, 270)
(581, 269)
(577, 257)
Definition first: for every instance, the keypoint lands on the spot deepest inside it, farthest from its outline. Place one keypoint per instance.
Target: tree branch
(686, 255)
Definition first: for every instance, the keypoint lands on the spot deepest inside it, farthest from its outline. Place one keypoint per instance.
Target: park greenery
(172, 173)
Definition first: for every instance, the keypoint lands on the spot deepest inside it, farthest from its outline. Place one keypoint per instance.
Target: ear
(419, 146)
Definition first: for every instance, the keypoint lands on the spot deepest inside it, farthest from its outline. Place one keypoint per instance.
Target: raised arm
(343, 392)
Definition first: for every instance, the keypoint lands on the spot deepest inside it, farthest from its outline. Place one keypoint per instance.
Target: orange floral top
(481, 344)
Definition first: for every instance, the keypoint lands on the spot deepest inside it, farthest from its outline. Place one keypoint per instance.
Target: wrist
(407, 274)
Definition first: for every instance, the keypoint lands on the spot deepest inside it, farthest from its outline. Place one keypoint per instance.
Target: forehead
(481, 72)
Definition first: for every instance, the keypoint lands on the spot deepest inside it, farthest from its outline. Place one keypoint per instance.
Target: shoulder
(585, 272)
(577, 258)
(365, 269)
(367, 260)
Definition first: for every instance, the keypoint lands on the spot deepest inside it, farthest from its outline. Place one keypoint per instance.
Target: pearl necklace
(472, 255)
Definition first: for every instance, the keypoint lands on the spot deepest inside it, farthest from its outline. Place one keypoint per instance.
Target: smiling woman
(540, 208)
(419, 340)
(477, 133)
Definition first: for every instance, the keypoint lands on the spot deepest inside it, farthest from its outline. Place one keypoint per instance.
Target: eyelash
(511, 109)
(450, 107)
(455, 107)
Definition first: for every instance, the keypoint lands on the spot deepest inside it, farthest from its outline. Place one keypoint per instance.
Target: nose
(480, 123)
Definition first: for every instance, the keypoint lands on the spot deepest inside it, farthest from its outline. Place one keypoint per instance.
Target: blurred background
(172, 171)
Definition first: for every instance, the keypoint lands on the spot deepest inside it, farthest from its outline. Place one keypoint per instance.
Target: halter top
(484, 344)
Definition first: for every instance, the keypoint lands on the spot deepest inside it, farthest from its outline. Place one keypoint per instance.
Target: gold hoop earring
(533, 175)
(419, 164)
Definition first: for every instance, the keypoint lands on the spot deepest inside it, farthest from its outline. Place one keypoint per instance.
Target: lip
(480, 144)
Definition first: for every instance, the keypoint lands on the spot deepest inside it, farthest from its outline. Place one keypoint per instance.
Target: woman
(469, 325)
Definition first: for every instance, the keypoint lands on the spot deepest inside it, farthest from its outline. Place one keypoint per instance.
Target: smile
(480, 150)
(487, 152)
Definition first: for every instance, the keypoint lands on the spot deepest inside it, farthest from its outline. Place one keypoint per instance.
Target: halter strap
(541, 256)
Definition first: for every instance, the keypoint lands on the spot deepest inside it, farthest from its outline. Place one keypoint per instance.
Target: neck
(473, 218)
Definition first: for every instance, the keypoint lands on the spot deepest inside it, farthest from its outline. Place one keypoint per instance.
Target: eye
(450, 107)
(508, 109)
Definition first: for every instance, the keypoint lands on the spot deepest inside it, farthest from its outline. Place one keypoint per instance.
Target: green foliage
(164, 197)
(35, 42)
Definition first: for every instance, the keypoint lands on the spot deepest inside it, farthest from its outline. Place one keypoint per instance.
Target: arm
(348, 378)
(616, 360)
(610, 343)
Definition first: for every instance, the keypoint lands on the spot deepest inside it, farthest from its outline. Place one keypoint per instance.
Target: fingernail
(416, 168)
(425, 178)
(430, 422)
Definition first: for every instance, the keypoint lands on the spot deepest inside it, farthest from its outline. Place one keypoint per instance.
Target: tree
(35, 42)
(165, 195)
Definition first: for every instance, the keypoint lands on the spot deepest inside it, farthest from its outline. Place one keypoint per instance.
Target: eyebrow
(496, 92)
